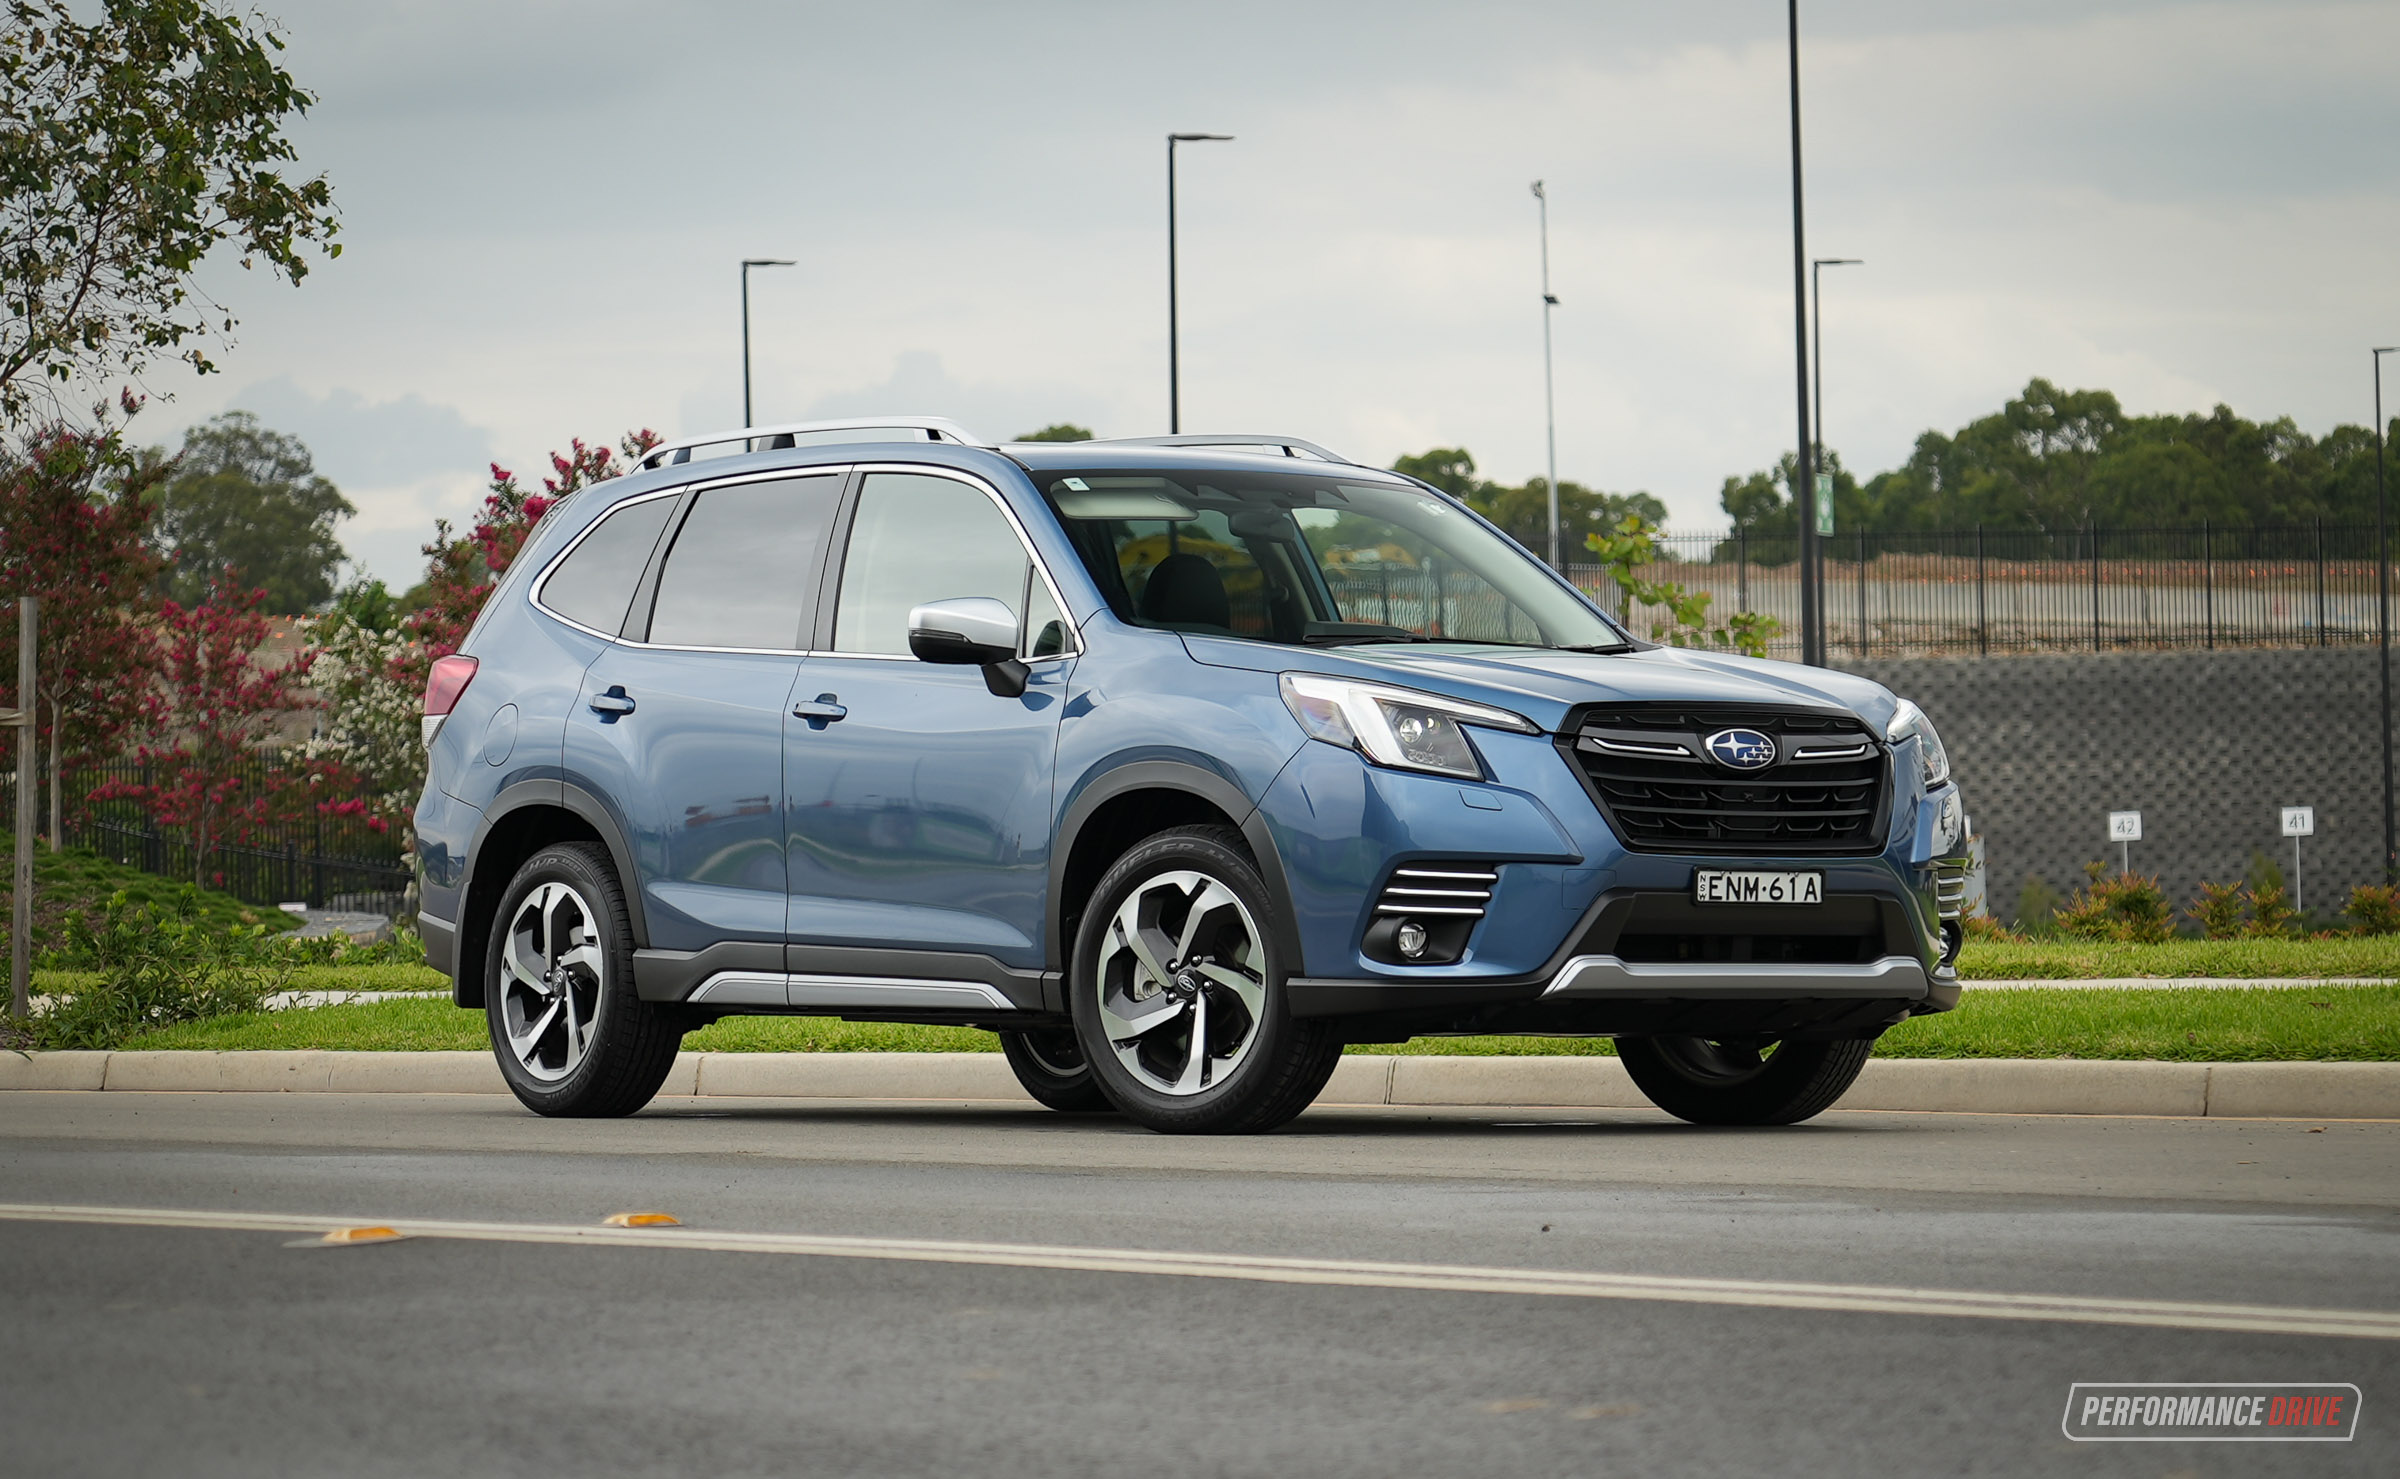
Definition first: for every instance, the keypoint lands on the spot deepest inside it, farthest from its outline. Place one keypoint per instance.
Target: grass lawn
(2019, 960)
(2197, 1024)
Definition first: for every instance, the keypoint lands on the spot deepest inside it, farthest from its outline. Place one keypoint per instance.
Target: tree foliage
(370, 684)
(130, 146)
(214, 705)
(1059, 431)
(460, 570)
(74, 531)
(1523, 511)
(2052, 460)
(247, 499)
(1681, 617)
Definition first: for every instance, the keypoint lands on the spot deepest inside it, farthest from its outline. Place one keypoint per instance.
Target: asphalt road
(217, 1349)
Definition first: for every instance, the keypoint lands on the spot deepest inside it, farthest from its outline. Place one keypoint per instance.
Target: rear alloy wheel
(1178, 994)
(1051, 1066)
(572, 1037)
(1730, 1082)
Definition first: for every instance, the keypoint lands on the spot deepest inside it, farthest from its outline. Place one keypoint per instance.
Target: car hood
(1544, 685)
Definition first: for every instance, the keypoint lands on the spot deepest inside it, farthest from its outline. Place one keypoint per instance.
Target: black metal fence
(325, 862)
(1905, 593)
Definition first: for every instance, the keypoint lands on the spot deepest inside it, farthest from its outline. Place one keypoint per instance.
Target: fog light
(1411, 938)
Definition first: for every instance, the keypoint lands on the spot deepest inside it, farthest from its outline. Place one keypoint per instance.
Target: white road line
(1771, 1294)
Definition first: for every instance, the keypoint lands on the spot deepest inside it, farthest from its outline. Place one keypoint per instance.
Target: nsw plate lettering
(1723, 886)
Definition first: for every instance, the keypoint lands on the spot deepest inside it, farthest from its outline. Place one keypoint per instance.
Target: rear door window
(595, 583)
(743, 569)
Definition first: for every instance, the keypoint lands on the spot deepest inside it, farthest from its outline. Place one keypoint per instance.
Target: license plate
(1720, 886)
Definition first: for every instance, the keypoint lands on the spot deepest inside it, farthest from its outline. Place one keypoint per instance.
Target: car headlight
(1908, 720)
(1399, 727)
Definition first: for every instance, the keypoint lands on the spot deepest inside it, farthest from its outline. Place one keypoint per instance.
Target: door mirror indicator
(976, 631)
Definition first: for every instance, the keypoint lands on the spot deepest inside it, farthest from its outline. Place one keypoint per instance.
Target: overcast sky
(544, 206)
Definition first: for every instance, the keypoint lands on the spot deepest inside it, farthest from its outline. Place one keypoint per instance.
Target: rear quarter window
(594, 584)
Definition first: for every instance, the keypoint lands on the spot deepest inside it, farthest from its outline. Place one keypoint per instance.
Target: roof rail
(1287, 446)
(777, 437)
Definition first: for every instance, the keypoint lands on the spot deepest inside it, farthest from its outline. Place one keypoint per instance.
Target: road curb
(1953, 1085)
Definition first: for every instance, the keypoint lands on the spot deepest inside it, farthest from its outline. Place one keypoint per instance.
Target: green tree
(247, 499)
(1059, 431)
(1451, 469)
(130, 146)
(1523, 512)
(2054, 460)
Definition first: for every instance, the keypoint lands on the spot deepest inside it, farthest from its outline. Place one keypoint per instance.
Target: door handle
(823, 710)
(612, 704)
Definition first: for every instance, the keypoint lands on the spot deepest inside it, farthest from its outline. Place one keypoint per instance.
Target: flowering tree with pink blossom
(213, 708)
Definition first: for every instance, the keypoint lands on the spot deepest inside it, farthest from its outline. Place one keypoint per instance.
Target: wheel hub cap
(1182, 983)
(552, 971)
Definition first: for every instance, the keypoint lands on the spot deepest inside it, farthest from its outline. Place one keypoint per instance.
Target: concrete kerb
(1953, 1085)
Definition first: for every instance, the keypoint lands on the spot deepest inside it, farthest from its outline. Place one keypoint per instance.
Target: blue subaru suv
(1180, 763)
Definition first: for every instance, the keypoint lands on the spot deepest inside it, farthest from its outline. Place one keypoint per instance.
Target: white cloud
(2181, 202)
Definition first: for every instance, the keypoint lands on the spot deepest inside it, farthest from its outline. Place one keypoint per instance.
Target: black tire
(1728, 1083)
(1276, 1069)
(1051, 1066)
(629, 1044)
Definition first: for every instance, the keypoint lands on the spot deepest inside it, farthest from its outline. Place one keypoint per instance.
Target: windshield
(1310, 559)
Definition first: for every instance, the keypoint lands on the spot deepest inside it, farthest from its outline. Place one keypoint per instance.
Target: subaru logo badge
(1741, 749)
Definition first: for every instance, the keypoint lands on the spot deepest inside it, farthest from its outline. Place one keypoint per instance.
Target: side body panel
(921, 819)
(693, 776)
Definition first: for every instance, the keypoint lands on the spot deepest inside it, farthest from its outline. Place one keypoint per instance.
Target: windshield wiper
(1602, 649)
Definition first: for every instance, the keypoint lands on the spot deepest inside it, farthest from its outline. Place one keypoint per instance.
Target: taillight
(449, 679)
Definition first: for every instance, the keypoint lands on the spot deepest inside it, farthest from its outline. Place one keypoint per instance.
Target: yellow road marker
(346, 1237)
(641, 1219)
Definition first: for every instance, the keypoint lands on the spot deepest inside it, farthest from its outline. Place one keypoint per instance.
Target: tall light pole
(747, 264)
(1812, 615)
(1174, 368)
(1822, 485)
(1816, 293)
(2383, 620)
(1549, 393)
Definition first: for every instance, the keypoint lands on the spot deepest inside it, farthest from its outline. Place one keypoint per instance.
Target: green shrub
(2271, 915)
(2130, 906)
(2375, 907)
(2218, 908)
(155, 964)
(405, 947)
(1987, 929)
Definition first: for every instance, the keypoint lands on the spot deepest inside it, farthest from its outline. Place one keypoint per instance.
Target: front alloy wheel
(1181, 988)
(1177, 992)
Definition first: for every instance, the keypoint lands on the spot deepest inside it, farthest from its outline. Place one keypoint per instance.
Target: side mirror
(976, 631)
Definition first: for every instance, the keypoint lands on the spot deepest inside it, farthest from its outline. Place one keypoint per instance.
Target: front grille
(1648, 768)
(1442, 890)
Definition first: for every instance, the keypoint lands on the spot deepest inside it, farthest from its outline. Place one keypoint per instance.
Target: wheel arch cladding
(512, 832)
(1110, 815)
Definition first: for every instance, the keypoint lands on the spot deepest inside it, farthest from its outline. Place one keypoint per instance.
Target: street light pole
(1549, 392)
(1812, 615)
(747, 264)
(1174, 366)
(1816, 293)
(2383, 621)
